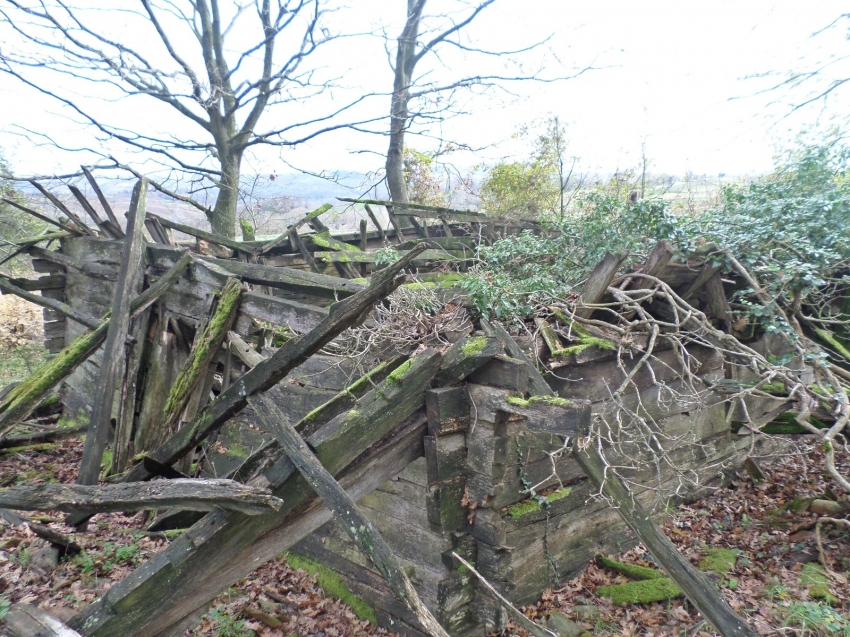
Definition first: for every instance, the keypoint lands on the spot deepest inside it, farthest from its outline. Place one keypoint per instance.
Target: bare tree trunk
(223, 218)
(405, 63)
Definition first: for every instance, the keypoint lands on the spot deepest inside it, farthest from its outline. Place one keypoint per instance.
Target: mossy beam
(201, 234)
(345, 509)
(63, 308)
(829, 339)
(632, 571)
(643, 592)
(20, 402)
(203, 352)
(112, 363)
(269, 372)
(285, 236)
(321, 415)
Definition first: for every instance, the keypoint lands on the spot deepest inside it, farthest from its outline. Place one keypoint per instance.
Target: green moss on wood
(518, 510)
(518, 401)
(332, 585)
(632, 571)
(474, 346)
(717, 560)
(320, 211)
(41, 447)
(643, 592)
(584, 343)
(19, 402)
(400, 372)
(204, 350)
(829, 339)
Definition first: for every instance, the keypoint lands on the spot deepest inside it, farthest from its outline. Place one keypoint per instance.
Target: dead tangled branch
(647, 317)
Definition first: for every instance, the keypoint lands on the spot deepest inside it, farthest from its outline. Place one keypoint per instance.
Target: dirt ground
(20, 322)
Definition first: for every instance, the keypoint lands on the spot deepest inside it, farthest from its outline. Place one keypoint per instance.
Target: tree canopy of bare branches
(211, 69)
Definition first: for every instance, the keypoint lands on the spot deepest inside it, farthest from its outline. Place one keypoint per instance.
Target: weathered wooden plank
(25, 620)
(290, 278)
(103, 201)
(536, 383)
(94, 270)
(190, 494)
(64, 226)
(222, 548)
(466, 356)
(50, 282)
(299, 317)
(293, 229)
(128, 280)
(64, 309)
(597, 283)
(504, 372)
(105, 226)
(61, 206)
(448, 410)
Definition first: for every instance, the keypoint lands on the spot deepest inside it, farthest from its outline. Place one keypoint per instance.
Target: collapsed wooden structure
(460, 450)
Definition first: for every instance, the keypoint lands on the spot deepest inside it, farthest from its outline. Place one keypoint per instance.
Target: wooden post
(364, 245)
(113, 352)
(356, 524)
(374, 219)
(597, 283)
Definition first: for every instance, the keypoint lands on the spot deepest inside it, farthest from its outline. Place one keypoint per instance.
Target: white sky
(669, 73)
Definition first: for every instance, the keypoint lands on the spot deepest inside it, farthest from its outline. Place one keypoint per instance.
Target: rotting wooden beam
(50, 435)
(288, 279)
(26, 620)
(103, 201)
(320, 416)
(345, 509)
(597, 283)
(293, 228)
(129, 273)
(64, 226)
(93, 270)
(63, 308)
(106, 226)
(190, 494)
(300, 317)
(200, 234)
(26, 396)
(374, 219)
(295, 351)
(203, 353)
(61, 206)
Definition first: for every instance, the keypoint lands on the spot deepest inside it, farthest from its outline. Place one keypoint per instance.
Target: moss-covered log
(204, 351)
(26, 396)
(194, 495)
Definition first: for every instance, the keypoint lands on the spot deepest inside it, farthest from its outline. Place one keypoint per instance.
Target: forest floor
(767, 527)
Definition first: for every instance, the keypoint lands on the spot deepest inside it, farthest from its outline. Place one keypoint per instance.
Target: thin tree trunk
(399, 114)
(223, 219)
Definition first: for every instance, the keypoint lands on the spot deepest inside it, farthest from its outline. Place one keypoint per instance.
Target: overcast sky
(667, 75)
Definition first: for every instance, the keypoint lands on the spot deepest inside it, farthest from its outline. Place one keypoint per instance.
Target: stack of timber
(448, 450)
